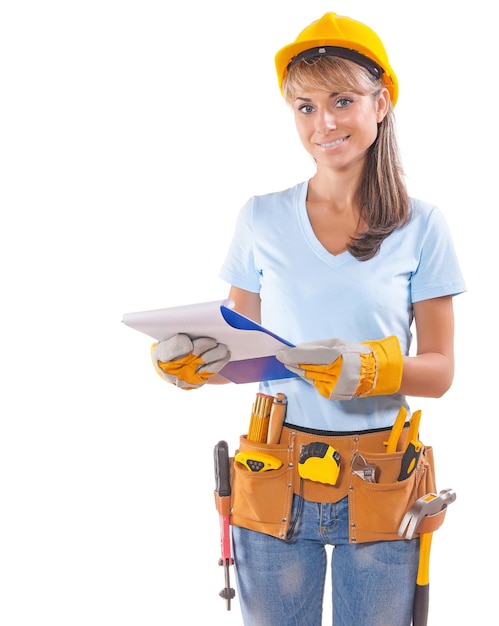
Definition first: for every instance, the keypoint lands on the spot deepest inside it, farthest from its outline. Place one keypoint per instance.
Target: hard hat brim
(285, 56)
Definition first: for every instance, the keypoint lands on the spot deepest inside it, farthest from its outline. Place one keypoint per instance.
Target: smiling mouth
(330, 144)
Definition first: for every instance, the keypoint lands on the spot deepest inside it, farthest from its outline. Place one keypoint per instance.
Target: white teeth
(332, 143)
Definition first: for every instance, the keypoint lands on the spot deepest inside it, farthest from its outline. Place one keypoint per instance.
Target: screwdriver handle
(410, 459)
(222, 469)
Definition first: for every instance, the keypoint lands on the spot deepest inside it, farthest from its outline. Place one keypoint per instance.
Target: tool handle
(225, 539)
(410, 459)
(414, 426)
(422, 593)
(398, 426)
(277, 415)
(421, 605)
(222, 469)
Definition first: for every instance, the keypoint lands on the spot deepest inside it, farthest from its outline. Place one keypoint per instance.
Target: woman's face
(337, 129)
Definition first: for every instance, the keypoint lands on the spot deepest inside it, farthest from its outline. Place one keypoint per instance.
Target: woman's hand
(340, 370)
(189, 363)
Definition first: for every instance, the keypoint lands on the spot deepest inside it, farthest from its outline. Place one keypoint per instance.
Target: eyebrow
(333, 94)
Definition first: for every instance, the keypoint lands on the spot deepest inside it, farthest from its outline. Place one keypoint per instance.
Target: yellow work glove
(188, 363)
(341, 370)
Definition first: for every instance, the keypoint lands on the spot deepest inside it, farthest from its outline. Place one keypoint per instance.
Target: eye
(343, 102)
(306, 108)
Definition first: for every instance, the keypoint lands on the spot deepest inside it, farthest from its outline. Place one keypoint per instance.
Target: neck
(337, 191)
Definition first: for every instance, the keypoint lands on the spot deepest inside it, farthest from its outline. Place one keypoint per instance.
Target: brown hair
(382, 194)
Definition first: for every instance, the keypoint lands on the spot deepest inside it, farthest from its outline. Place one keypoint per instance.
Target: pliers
(413, 447)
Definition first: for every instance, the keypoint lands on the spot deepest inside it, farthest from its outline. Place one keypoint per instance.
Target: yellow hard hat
(341, 36)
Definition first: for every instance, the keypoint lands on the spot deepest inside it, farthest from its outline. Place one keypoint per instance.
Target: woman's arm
(246, 303)
(430, 373)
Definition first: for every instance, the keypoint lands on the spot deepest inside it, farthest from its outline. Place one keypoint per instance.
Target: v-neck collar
(334, 260)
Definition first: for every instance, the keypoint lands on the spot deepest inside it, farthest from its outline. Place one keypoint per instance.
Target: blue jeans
(281, 583)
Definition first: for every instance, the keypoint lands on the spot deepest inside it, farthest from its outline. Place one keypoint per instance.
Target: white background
(131, 134)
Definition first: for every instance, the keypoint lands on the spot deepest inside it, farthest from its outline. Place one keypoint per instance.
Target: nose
(325, 122)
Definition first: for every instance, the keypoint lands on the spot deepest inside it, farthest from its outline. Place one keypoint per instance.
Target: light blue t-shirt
(308, 293)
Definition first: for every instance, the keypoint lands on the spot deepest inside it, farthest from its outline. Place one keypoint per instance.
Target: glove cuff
(389, 366)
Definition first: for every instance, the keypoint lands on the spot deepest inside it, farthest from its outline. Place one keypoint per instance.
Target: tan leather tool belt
(366, 443)
(262, 500)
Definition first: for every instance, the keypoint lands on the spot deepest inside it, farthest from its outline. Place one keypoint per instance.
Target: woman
(346, 254)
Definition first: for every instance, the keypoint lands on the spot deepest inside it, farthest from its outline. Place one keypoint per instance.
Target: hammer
(425, 515)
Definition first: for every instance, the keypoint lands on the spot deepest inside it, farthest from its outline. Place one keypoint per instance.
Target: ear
(382, 104)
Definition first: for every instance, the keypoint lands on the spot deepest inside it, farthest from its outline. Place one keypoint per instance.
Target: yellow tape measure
(319, 462)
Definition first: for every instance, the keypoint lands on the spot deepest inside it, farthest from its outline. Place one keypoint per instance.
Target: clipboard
(252, 347)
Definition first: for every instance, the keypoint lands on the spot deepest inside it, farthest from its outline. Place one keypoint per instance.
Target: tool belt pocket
(262, 487)
(376, 509)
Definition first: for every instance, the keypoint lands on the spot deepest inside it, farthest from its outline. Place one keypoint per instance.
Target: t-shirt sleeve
(438, 272)
(239, 267)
